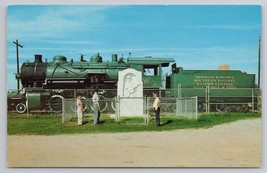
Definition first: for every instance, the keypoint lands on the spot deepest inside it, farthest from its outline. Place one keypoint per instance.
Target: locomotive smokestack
(38, 59)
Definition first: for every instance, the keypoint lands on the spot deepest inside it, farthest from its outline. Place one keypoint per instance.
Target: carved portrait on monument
(130, 85)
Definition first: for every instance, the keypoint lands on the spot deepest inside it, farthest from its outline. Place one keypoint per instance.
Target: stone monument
(130, 92)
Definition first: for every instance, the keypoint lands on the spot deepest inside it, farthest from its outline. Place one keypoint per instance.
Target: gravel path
(236, 144)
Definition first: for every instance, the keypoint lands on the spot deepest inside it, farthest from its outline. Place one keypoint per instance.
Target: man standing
(156, 106)
(96, 107)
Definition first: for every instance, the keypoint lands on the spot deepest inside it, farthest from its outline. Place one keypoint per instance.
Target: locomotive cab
(152, 75)
(152, 70)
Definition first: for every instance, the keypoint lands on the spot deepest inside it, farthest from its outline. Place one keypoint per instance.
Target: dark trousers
(98, 118)
(157, 112)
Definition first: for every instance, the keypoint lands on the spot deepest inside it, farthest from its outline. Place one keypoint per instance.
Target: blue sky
(198, 37)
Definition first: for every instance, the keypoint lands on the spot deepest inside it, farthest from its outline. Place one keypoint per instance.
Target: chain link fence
(225, 100)
(113, 107)
(69, 108)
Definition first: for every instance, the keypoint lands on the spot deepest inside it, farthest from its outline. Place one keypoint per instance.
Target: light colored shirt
(156, 103)
(95, 98)
(79, 104)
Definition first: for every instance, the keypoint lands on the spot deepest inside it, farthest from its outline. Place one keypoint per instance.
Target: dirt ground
(236, 144)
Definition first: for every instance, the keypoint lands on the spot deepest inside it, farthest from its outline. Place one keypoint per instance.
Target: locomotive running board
(63, 80)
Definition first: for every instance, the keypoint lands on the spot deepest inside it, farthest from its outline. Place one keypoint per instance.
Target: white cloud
(55, 22)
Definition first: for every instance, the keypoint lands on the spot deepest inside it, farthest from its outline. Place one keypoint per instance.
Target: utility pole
(18, 74)
(259, 62)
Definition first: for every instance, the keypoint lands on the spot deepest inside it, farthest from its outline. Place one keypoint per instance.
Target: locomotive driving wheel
(242, 108)
(21, 108)
(221, 107)
(201, 107)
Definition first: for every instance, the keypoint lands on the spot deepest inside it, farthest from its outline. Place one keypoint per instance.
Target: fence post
(177, 106)
(185, 106)
(75, 93)
(118, 108)
(252, 99)
(27, 103)
(63, 110)
(147, 109)
(196, 98)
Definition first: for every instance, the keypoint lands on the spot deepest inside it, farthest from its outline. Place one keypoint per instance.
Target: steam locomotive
(42, 80)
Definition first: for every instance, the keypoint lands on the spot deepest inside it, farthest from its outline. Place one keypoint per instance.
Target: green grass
(49, 124)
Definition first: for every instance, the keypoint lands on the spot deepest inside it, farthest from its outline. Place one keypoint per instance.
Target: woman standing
(156, 106)
(96, 107)
(79, 104)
